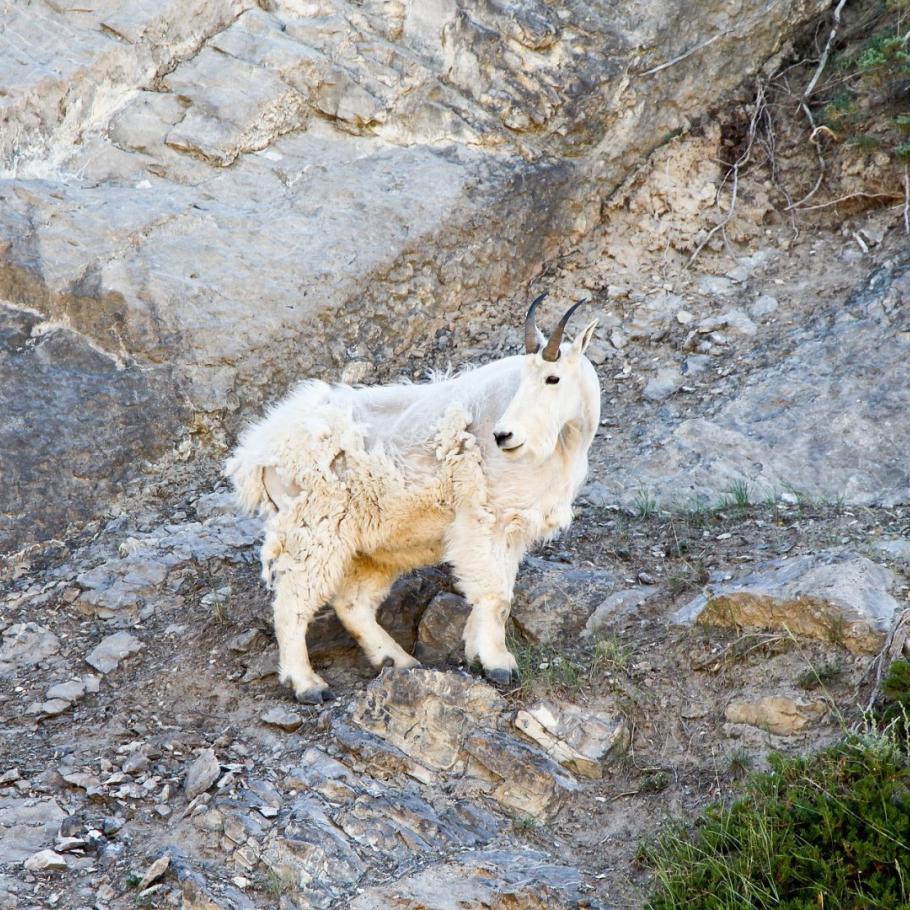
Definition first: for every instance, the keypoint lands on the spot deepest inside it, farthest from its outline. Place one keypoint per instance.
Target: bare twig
(906, 203)
(824, 57)
(821, 160)
(734, 171)
(857, 195)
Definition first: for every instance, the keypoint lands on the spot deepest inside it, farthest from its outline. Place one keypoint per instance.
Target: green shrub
(826, 832)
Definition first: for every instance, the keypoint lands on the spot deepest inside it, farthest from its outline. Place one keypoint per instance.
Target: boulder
(440, 634)
(24, 645)
(555, 600)
(436, 726)
(834, 596)
(777, 714)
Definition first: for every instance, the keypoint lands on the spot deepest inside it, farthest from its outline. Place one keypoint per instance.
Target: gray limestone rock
(202, 773)
(663, 384)
(494, 879)
(433, 725)
(556, 600)
(835, 596)
(24, 645)
(827, 417)
(106, 655)
(26, 826)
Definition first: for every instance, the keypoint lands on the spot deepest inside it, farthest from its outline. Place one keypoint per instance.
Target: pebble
(107, 655)
(154, 872)
(282, 717)
(202, 773)
(45, 859)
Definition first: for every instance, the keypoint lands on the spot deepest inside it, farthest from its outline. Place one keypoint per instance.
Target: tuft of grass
(543, 669)
(821, 677)
(280, 882)
(524, 824)
(740, 763)
(830, 830)
(736, 499)
(610, 654)
(894, 701)
(653, 782)
(646, 505)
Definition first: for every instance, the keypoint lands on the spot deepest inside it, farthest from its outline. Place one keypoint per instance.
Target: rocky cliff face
(201, 203)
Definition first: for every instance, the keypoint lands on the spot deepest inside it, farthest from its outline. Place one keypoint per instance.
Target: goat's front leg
(294, 606)
(485, 568)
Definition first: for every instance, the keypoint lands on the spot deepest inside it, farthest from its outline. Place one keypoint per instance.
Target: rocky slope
(195, 197)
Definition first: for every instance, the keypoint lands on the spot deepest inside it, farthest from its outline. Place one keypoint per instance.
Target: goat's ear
(541, 338)
(584, 339)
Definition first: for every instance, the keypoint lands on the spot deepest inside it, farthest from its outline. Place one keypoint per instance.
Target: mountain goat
(358, 485)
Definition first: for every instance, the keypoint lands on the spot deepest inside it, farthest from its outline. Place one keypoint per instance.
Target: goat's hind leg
(295, 604)
(359, 597)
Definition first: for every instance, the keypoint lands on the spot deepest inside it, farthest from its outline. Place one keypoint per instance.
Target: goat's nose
(502, 438)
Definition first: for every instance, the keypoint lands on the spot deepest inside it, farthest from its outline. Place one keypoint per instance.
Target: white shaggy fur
(358, 485)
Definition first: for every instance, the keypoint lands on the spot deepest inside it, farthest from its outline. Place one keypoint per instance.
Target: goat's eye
(552, 380)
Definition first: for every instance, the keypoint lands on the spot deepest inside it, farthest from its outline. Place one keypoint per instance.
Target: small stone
(202, 773)
(247, 856)
(106, 656)
(45, 859)
(65, 844)
(282, 717)
(355, 372)
(764, 305)
(684, 318)
(54, 706)
(715, 286)
(155, 871)
(68, 691)
(645, 578)
(696, 364)
(9, 776)
(667, 381)
(618, 339)
(247, 640)
(91, 682)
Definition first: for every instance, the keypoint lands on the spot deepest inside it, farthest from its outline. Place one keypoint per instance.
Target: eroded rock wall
(223, 197)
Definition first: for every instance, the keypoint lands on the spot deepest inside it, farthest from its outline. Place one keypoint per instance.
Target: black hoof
(315, 696)
(499, 677)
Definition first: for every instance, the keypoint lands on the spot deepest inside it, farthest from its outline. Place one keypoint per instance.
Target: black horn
(551, 351)
(531, 344)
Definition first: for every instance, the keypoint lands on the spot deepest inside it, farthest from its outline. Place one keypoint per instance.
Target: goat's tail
(248, 478)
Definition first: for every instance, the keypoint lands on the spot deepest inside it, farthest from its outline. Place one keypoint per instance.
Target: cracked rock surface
(193, 196)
